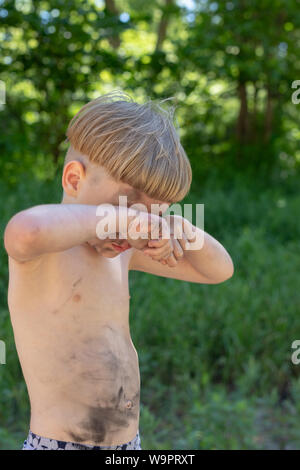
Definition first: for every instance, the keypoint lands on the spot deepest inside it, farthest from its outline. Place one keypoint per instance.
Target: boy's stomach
(85, 391)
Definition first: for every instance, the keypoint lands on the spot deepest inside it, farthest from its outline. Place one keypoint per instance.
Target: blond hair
(136, 143)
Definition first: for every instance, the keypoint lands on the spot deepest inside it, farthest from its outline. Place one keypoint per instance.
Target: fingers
(165, 247)
(184, 243)
(177, 249)
(171, 261)
(168, 252)
(159, 249)
(175, 256)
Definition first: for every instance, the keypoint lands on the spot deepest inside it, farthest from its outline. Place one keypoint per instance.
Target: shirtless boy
(68, 289)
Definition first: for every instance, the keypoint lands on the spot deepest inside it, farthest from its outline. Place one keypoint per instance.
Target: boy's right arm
(49, 228)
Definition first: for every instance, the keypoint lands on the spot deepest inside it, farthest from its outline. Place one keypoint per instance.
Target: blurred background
(216, 369)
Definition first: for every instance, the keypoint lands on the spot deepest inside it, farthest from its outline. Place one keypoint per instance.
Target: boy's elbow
(228, 272)
(21, 236)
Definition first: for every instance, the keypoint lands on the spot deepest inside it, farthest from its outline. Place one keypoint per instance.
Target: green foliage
(229, 66)
(244, 58)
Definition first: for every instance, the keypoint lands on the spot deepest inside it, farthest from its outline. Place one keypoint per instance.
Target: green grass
(215, 360)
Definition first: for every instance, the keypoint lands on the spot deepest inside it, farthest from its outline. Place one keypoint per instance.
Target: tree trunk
(162, 28)
(243, 118)
(112, 9)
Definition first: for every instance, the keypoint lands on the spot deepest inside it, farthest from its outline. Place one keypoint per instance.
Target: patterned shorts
(34, 442)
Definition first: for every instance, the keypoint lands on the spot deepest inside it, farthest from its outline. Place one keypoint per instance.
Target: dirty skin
(116, 394)
(103, 420)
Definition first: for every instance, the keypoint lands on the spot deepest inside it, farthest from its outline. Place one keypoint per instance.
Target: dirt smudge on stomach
(103, 421)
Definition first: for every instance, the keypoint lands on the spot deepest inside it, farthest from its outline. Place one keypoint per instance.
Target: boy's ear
(73, 174)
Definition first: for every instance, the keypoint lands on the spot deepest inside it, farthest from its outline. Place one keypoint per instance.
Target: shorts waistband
(35, 442)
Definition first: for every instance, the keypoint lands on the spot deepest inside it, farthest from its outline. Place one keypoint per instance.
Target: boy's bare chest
(71, 284)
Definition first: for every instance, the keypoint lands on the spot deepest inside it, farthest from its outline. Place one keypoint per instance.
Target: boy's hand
(138, 228)
(130, 225)
(169, 251)
(152, 234)
(164, 250)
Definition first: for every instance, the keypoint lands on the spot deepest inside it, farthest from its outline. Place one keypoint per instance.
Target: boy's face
(86, 183)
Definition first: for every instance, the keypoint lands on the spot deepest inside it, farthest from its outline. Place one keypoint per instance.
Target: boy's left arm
(207, 262)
